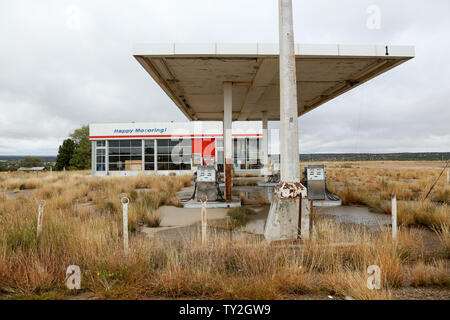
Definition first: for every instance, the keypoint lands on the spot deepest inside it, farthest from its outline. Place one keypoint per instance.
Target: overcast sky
(57, 74)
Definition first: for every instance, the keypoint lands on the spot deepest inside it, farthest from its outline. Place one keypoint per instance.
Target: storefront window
(125, 155)
(149, 154)
(247, 153)
(253, 153)
(239, 153)
(174, 154)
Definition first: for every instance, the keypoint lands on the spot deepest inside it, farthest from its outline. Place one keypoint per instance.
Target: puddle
(254, 192)
(254, 229)
(355, 215)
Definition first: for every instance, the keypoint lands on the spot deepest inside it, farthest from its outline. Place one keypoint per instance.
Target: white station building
(165, 147)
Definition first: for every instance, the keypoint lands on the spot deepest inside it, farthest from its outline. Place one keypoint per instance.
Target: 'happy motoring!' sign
(140, 131)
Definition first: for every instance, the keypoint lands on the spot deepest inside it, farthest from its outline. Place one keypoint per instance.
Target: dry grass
(425, 275)
(374, 187)
(443, 234)
(82, 225)
(152, 219)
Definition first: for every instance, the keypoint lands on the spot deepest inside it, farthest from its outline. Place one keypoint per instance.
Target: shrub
(152, 219)
(240, 215)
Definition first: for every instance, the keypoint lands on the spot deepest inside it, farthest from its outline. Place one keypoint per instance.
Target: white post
(107, 157)
(265, 143)
(155, 159)
(125, 202)
(394, 217)
(204, 221)
(51, 171)
(306, 207)
(93, 158)
(143, 155)
(40, 217)
(282, 222)
(227, 135)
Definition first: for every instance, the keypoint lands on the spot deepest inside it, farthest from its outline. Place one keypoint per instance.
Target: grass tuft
(240, 215)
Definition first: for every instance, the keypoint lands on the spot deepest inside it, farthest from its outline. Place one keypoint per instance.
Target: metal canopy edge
(192, 75)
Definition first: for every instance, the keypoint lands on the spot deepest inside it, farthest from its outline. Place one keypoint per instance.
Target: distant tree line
(418, 156)
(25, 162)
(75, 152)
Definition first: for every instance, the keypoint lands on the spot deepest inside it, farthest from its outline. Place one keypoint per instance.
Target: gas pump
(206, 176)
(315, 181)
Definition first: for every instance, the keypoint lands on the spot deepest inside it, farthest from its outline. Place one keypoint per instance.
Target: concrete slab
(177, 217)
(327, 203)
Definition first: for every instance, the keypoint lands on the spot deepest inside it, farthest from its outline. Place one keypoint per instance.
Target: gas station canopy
(193, 75)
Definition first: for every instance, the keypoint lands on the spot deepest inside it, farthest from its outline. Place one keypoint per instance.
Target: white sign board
(315, 174)
(205, 174)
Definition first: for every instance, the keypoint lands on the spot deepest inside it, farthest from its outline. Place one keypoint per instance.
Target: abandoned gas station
(265, 82)
(127, 149)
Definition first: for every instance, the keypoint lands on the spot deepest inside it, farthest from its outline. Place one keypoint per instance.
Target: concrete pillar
(227, 135)
(282, 222)
(93, 156)
(155, 159)
(265, 143)
(143, 155)
(107, 156)
(290, 168)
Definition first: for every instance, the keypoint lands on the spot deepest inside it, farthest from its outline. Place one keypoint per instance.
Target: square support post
(227, 135)
(289, 151)
(93, 158)
(265, 144)
(107, 156)
(143, 155)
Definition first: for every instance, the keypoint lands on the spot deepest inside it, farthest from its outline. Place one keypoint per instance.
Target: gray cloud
(53, 78)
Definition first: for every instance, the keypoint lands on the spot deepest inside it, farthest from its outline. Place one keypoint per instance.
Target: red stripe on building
(176, 136)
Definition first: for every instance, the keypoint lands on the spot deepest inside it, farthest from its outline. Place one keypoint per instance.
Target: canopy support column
(227, 135)
(93, 157)
(282, 222)
(265, 144)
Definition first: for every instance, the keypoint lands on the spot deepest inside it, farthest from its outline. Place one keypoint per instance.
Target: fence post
(394, 217)
(125, 202)
(204, 220)
(40, 217)
(305, 205)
